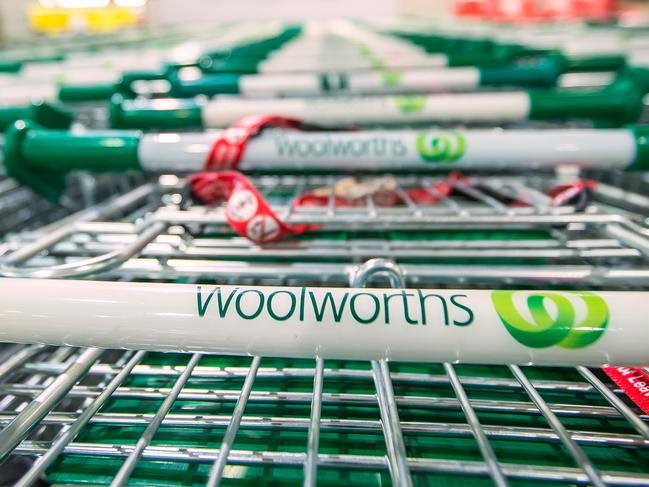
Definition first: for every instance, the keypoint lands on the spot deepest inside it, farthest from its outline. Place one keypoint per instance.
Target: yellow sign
(54, 20)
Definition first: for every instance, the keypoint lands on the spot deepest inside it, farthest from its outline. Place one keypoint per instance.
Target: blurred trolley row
(101, 207)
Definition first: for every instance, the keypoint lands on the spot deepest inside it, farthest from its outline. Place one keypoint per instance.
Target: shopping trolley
(94, 416)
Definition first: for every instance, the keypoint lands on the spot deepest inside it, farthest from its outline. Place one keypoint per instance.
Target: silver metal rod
(397, 459)
(311, 464)
(29, 418)
(341, 461)
(83, 267)
(472, 419)
(230, 434)
(18, 358)
(575, 450)
(212, 395)
(344, 425)
(640, 426)
(129, 465)
(58, 446)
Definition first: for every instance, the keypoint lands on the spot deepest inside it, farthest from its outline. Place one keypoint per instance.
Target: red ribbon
(562, 194)
(634, 382)
(227, 150)
(246, 210)
(251, 216)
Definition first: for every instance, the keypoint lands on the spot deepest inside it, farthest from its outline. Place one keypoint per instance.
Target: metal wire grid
(473, 245)
(23, 210)
(252, 420)
(161, 419)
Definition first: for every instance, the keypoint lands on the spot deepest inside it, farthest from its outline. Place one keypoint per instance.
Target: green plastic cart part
(238, 66)
(641, 161)
(10, 66)
(69, 93)
(586, 64)
(542, 74)
(617, 104)
(43, 166)
(163, 115)
(44, 113)
(208, 84)
(83, 93)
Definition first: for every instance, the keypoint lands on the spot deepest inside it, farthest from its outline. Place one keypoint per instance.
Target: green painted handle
(593, 63)
(10, 66)
(619, 103)
(541, 74)
(83, 93)
(208, 84)
(40, 158)
(641, 161)
(46, 114)
(159, 114)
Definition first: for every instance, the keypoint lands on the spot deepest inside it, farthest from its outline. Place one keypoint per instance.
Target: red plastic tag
(246, 210)
(634, 382)
(227, 150)
(562, 194)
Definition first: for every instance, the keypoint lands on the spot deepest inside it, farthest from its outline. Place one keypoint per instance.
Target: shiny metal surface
(242, 397)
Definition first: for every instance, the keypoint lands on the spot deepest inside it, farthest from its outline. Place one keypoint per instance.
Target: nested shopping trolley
(75, 415)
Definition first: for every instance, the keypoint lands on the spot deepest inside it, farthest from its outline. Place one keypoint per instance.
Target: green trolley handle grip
(46, 114)
(619, 103)
(168, 114)
(40, 158)
(84, 93)
(542, 74)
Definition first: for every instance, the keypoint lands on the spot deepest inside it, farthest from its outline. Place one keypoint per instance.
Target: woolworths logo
(354, 307)
(436, 147)
(411, 103)
(544, 319)
(391, 78)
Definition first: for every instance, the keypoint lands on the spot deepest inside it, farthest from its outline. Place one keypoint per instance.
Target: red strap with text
(634, 382)
(228, 148)
(246, 210)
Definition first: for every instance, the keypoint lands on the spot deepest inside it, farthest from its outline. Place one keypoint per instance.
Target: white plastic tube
(400, 149)
(475, 107)
(361, 82)
(497, 327)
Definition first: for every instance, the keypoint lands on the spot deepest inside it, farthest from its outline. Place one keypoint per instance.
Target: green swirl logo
(411, 103)
(438, 147)
(553, 318)
(391, 78)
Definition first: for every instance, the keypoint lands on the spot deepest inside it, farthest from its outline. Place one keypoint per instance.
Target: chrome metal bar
(398, 462)
(478, 433)
(420, 465)
(16, 431)
(83, 267)
(311, 464)
(128, 466)
(59, 444)
(397, 458)
(50, 368)
(345, 425)
(214, 395)
(639, 425)
(575, 450)
(230, 434)
(18, 358)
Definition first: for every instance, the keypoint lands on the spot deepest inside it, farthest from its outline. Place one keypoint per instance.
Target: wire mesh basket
(22, 209)
(88, 416)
